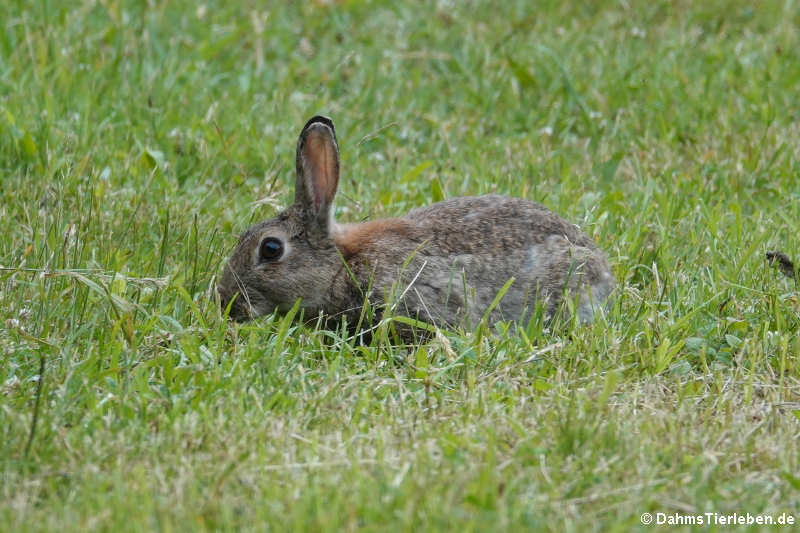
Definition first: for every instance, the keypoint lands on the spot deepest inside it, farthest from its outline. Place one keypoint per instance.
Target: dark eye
(271, 249)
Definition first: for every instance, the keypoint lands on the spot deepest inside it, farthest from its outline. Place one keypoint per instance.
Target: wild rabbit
(443, 264)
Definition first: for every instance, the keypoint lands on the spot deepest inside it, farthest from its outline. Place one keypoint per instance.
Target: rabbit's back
(492, 223)
(463, 250)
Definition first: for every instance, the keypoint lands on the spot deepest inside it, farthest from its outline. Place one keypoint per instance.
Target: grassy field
(137, 139)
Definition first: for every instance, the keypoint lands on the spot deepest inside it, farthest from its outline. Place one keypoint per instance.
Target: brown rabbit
(443, 264)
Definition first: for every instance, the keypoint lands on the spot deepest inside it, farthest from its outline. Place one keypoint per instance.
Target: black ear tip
(319, 119)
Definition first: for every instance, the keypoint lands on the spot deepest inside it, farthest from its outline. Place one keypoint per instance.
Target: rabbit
(443, 264)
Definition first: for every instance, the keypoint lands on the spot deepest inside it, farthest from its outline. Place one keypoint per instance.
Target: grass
(137, 139)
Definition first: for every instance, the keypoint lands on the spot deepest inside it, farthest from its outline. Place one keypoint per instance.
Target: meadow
(137, 139)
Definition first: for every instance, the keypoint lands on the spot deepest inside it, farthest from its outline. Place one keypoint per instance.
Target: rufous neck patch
(352, 239)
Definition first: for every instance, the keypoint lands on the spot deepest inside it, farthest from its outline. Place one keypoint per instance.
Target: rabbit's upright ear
(317, 172)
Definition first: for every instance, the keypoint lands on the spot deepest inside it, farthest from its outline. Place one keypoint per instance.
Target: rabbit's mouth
(240, 312)
(244, 307)
(231, 303)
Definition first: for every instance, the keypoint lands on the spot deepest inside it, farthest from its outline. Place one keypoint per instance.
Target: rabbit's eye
(271, 249)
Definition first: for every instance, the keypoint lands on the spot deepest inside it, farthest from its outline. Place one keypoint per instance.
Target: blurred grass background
(137, 139)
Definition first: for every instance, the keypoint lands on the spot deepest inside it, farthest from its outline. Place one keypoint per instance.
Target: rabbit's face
(292, 256)
(277, 262)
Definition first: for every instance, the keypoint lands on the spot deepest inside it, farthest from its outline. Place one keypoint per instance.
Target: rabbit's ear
(317, 171)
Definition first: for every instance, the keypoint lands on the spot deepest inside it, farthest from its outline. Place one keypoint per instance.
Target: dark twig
(39, 386)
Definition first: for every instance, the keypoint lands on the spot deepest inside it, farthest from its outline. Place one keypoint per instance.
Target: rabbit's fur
(443, 264)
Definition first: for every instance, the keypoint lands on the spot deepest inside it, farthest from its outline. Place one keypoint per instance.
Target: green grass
(137, 139)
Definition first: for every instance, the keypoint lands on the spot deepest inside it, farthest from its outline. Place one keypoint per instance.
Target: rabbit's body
(453, 277)
(444, 263)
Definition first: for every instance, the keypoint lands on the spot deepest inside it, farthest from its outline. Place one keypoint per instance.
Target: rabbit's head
(293, 255)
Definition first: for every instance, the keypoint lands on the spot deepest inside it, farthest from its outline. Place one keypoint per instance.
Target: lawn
(138, 139)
